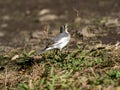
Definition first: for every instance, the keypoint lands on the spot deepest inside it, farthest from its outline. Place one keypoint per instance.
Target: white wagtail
(59, 41)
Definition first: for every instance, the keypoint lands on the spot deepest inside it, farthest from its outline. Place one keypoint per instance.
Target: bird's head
(64, 28)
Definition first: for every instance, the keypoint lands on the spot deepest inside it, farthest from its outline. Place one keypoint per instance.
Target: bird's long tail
(42, 51)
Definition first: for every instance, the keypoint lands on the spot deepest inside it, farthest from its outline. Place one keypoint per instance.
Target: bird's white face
(66, 27)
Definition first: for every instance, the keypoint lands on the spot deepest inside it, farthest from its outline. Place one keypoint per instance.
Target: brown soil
(19, 19)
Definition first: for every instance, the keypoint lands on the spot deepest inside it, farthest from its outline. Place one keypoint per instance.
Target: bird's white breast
(63, 42)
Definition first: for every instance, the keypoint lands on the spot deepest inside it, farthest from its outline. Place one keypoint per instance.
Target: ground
(91, 61)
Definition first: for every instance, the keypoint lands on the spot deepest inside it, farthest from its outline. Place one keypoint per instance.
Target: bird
(59, 41)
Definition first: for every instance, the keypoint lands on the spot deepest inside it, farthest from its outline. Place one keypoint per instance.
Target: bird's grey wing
(61, 37)
(58, 37)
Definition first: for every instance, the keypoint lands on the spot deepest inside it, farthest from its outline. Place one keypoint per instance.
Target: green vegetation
(88, 65)
(78, 69)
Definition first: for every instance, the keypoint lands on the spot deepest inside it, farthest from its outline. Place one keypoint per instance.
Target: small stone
(4, 25)
(1, 34)
(44, 11)
(49, 17)
(77, 20)
(15, 57)
(37, 34)
(6, 17)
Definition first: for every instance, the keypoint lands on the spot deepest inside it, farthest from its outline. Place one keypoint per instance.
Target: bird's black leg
(56, 51)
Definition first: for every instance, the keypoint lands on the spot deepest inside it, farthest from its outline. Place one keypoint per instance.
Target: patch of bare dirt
(20, 20)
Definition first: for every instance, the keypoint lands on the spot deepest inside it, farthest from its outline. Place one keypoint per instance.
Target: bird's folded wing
(62, 40)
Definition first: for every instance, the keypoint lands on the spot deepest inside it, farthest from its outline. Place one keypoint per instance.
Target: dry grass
(86, 64)
(94, 69)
